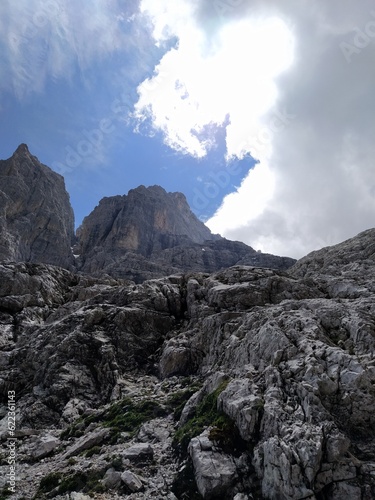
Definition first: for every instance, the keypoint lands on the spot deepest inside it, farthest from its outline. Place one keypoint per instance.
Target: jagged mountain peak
(36, 218)
(22, 149)
(143, 234)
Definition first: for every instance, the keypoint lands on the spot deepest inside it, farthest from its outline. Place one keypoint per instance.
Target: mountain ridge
(147, 233)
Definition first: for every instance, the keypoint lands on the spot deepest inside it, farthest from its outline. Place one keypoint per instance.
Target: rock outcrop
(150, 233)
(36, 218)
(245, 383)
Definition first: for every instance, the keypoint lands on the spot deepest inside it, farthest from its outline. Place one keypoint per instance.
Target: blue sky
(79, 124)
(260, 113)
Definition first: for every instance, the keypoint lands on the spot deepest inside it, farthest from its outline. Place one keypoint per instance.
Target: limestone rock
(132, 481)
(44, 446)
(137, 451)
(87, 441)
(214, 471)
(150, 233)
(154, 430)
(112, 479)
(284, 358)
(36, 218)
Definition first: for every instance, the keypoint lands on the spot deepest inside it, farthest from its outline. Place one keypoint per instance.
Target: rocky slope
(36, 218)
(243, 384)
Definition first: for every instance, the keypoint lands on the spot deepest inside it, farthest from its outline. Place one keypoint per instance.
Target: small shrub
(75, 430)
(5, 493)
(178, 400)
(122, 416)
(117, 463)
(49, 482)
(95, 450)
(206, 414)
(78, 481)
(126, 416)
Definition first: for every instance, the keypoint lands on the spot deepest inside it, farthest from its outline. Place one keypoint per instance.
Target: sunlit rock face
(36, 218)
(144, 221)
(150, 233)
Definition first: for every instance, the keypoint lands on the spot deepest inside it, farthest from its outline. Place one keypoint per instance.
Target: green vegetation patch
(95, 450)
(126, 416)
(206, 414)
(5, 493)
(178, 400)
(122, 416)
(78, 481)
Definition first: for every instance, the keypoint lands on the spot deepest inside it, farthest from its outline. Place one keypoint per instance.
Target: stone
(214, 471)
(74, 495)
(86, 442)
(344, 489)
(138, 450)
(284, 358)
(44, 446)
(73, 409)
(154, 430)
(132, 481)
(111, 479)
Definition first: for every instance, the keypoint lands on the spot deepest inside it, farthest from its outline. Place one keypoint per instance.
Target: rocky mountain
(150, 233)
(246, 383)
(145, 234)
(36, 218)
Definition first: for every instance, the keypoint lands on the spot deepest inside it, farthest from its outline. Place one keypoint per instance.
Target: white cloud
(316, 174)
(203, 81)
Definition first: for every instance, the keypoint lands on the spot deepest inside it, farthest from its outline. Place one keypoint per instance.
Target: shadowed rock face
(271, 375)
(36, 218)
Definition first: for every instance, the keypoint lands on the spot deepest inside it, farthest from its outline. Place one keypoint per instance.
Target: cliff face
(246, 383)
(151, 233)
(124, 234)
(36, 218)
(146, 234)
(144, 221)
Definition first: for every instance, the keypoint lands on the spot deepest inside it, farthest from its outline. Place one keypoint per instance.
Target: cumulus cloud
(323, 161)
(54, 38)
(205, 79)
(306, 115)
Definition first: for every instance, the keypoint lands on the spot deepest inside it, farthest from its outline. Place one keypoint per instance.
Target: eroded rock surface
(150, 233)
(246, 383)
(36, 218)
